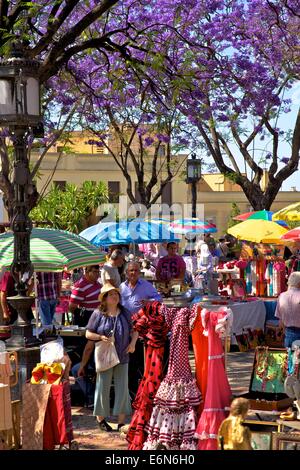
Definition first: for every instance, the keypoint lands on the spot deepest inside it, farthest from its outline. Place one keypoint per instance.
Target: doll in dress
(233, 435)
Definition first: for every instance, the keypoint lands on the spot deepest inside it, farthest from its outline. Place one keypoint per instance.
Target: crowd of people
(104, 298)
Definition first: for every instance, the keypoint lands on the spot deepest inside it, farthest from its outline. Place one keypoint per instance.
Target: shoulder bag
(106, 355)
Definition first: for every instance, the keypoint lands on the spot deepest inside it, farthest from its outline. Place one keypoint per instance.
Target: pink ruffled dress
(173, 419)
(218, 393)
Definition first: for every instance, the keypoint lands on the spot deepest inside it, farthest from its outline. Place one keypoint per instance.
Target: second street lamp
(19, 111)
(193, 172)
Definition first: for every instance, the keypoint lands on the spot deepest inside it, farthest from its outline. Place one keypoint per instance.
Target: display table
(248, 315)
(293, 425)
(245, 315)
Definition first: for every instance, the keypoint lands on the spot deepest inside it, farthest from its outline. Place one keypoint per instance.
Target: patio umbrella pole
(36, 305)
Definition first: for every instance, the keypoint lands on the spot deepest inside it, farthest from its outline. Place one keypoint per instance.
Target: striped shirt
(48, 287)
(85, 293)
(288, 307)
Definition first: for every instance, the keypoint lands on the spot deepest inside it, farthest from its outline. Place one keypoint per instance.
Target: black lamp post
(20, 110)
(193, 171)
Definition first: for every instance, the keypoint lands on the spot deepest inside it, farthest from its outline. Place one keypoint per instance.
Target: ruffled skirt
(173, 420)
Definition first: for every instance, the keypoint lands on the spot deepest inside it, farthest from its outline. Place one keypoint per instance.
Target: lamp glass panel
(7, 98)
(190, 170)
(33, 97)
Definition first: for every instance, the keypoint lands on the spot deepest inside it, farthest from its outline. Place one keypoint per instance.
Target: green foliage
(232, 177)
(71, 208)
(235, 210)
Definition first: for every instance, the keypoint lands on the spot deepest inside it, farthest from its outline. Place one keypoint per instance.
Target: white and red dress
(174, 418)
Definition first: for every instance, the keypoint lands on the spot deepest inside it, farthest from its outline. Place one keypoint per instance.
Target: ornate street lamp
(20, 110)
(193, 172)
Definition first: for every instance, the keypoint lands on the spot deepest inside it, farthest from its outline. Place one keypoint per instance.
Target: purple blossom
(148, 141)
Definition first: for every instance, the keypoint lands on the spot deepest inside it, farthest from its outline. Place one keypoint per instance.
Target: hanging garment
(58, 428)
(218, 393)
(254, 278)
(150, 323)
(173, 419)
(200, 346)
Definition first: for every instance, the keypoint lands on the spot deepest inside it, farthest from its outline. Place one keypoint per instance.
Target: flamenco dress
(151, 325)
(200, 347)
(173, 420)
(218, 392)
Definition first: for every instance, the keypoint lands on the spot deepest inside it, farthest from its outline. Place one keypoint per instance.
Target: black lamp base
(22, 337)
(21, 331)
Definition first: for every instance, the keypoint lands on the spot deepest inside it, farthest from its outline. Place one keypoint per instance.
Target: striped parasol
(52, 250)
(192, 225)
(260, 215)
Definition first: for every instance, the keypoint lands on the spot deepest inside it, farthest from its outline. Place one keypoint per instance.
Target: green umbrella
(53, 250)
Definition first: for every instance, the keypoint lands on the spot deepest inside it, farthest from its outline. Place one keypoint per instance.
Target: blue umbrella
(125, 232)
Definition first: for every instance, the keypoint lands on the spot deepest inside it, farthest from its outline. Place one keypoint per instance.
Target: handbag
(106, 355)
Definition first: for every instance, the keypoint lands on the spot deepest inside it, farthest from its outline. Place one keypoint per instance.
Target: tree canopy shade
(223, 68)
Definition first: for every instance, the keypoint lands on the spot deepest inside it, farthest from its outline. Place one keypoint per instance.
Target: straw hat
(107, 288)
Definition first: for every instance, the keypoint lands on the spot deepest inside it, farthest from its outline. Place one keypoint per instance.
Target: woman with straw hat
(112, 318)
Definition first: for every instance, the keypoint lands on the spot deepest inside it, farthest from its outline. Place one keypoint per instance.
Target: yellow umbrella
(289, 213)
(258, 231)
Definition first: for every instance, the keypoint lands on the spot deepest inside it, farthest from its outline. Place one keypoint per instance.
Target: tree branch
(57, 136)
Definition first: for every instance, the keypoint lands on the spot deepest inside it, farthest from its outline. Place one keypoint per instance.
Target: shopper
(84, 296)
(288, 310)
(112, 316)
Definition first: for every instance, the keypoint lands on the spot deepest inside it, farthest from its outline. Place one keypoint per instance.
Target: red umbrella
(244, 216)
(293, 234)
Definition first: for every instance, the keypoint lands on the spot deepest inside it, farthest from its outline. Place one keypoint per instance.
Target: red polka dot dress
(151, 325)
(173, 419)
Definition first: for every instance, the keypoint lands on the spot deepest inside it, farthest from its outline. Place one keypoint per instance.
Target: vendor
(171, 266)
(288, 310)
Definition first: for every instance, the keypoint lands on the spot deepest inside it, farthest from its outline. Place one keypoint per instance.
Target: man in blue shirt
(135, 291)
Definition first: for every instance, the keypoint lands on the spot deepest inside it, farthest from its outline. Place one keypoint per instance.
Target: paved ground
(87, 434)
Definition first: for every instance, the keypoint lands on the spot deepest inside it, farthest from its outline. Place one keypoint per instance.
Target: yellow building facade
(86, 161)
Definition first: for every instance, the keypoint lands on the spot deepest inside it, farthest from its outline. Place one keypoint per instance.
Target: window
(113, 191)
(60, 185)
(166, 196)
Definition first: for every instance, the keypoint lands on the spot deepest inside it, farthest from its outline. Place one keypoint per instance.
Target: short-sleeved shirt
(47, 287)
(102, 325)
(288, 308)
(85, 293)
(132, 297)
(172, 265)
(110, 272)
(8, 284)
